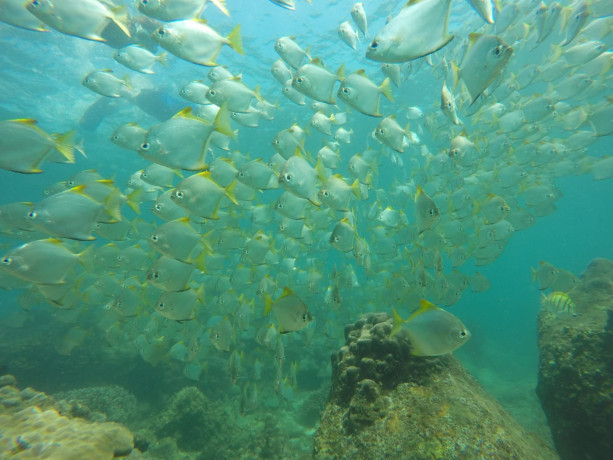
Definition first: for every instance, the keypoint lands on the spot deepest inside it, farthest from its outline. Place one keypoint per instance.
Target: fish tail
(386, 89)
(356, 189)
(65, 145)
(235, 40)
(267, 303)
(398, 321)
(163, 58)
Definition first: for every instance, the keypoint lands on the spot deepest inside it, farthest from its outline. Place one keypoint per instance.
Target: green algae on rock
(386, 403)
(576, 367)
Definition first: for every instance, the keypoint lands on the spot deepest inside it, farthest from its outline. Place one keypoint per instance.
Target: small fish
(292, 313)
(201, 195)
(298, 177)
(169, 274)
(558, 302)
(106, 84)
(290, 51)
(343, 136)
(574, 21)
(485, 58)
(234, 93)
(221, 335)
(80, 18)
(362, 94)
(195, 91)
(432, 331)
(392, 134)
(418, 30)
(177, 239)
(180, 305)
(137, 58)
(448, 105)
(426, 212)
(68, 214)
(41, 261)
(348, 35)
(129, 136)
(24, 146)
(343, 236)
(280, 71)
(546, 274)
(359, 16)
(258, 175)
(194, 41)
(317, 82)
(337, 194)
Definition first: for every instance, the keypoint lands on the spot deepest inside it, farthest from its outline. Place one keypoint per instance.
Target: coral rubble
(386, 403)
(576, 367)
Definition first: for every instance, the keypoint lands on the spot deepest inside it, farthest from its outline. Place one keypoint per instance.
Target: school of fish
(208, 249)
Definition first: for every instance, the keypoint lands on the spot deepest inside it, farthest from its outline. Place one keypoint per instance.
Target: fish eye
(498, 50)
(279, 205)
(161, 32)
(179, 194)
(432, 212)
(300, 80)
(35, 3)
(161, 305)
(304, 317)
(7, 260)
(462, 334)
(287, 177)
(144, 146)
(212, 92)
(449, 104)
(276, 142)
(374, 44)
(380, 131)
(157, 207)
(326, 193)
(32, 214)
(282, 227)
(241, 174)
(345, 90)
(336, 239)
(155, 275)
(155, 238)
(144, 2)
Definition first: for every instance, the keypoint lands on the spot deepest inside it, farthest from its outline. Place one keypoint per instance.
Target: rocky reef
(32, 427)
(386, 403)
(575, 379)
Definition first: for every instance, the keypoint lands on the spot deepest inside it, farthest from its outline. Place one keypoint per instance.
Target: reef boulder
(386, 403)
(576, 367)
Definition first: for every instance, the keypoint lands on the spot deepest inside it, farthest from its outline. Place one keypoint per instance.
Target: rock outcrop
(575, 378)
(386, 403)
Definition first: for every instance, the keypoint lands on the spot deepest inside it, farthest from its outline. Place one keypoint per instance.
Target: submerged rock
(386, 403)
(576, 367)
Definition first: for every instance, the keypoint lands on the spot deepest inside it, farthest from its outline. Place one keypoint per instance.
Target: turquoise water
(41, 77)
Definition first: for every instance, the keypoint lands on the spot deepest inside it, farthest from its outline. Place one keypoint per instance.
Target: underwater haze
(270, 214)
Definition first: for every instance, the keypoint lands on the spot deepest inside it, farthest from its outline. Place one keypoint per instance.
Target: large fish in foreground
(418, 30)
(486, 57)
(432, 331)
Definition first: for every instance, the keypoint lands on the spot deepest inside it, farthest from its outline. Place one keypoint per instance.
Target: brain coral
(35, 434)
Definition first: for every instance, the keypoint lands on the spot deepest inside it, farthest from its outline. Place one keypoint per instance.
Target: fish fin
(26, 121)
(222, 121)
(341, 72)
(398, 321)
(163, 58)
(120, 17)
(65, 145)
(235, 40)
(267, 303)
(230, 193)
(424, 307)
(356, 189)
(257, 93)
(127, 82)
(133, 200)
(386, 89)
(221, 6)
(455, 72)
